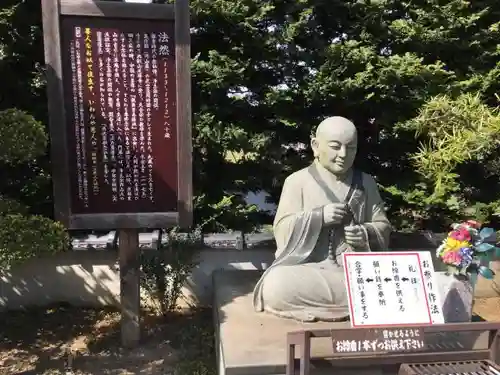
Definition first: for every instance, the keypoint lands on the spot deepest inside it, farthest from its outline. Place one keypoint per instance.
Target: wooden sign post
(119, 92)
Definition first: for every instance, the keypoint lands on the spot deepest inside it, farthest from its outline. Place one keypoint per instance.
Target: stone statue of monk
(324, 210)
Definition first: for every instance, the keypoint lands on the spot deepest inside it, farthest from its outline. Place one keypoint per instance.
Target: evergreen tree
(266, 72)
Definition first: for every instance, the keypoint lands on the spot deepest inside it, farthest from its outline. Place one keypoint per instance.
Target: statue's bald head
(335, 144)
(337, 128)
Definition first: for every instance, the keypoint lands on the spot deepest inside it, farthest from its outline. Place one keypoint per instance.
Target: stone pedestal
(457, 297)
(255, 344)
(248, 343)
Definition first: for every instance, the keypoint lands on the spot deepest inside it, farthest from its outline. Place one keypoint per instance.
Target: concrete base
(250, 343)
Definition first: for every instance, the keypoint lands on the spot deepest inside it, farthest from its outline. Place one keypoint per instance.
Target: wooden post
(128, 252)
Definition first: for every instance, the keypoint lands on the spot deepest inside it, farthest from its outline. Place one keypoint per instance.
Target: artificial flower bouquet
(467, 248)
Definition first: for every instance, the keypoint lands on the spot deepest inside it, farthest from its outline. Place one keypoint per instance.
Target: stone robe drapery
(302, 283)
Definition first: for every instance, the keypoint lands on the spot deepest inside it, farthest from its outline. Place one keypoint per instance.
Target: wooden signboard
(119, 91)
(118, 78)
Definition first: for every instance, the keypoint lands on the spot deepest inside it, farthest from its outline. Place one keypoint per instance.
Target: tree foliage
(23, 138)
(461, 134)
(24, 236)
(266, 72)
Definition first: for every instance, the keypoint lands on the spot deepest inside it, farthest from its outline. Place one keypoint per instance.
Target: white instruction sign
(392, 289)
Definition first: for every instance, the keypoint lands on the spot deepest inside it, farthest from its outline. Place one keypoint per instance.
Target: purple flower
(467, 255)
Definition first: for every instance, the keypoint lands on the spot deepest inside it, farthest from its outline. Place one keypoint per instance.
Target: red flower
(474, 224)
(460, 234)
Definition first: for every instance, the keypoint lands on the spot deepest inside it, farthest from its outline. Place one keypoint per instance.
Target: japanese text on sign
(122, 115)
(371, 341)
(400, 282)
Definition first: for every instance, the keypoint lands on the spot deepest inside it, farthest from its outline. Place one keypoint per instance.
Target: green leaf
(486, 272)
(484, 247)
(487, 234)
(486, 256)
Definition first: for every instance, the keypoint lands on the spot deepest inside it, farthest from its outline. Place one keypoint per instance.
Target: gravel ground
(46, 341)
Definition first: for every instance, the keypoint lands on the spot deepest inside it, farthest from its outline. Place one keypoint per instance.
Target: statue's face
(335, 148)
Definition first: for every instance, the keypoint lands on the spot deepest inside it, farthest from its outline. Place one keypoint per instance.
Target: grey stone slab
(147, 240)
(260, 240)
(94, 241)
(232, 240)
(250, 343)
(192, 238)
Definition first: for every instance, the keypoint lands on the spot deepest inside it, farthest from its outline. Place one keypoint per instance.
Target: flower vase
(472, 278)
(457, 296)
(466, 251)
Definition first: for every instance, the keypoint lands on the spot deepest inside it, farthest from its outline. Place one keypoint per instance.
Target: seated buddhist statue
(324, 210)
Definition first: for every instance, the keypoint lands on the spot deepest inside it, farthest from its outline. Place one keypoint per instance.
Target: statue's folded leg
(306, 292)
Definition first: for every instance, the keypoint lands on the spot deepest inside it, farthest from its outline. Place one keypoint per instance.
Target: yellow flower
(452, 243)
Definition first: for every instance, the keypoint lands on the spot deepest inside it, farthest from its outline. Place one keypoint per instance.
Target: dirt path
(38, 342)
(488, 308)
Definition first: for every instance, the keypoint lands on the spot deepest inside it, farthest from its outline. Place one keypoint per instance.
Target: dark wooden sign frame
(53, 11)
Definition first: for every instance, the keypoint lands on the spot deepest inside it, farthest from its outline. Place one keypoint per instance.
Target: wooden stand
(128, 252)
(453, 352)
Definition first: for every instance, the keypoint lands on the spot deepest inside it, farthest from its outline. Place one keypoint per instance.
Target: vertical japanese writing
(91, 109)
(76, 109)
(145, 133)
(397, 282)
(125, 117)
(114, 113)
(81, 115)
(121, 115)
(130, 126)
(426, 268)
(413, 274)
(109, 109)
(139, 123)
(378, 281)
(156, 106)
(102, 106)
(361, 288)
(164, 52)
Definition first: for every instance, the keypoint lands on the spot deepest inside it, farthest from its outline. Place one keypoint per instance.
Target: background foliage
(23, 235)
(166, 271)
(265, 72)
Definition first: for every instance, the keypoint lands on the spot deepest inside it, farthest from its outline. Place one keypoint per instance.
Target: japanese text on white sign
(391, 288)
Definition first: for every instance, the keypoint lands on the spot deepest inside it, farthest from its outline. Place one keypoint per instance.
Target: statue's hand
(355, 236)
(333, 213)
